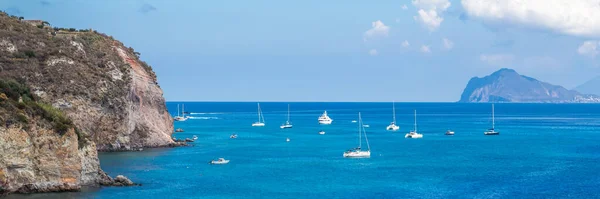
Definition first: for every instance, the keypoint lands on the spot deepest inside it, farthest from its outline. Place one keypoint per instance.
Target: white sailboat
(358, 152)
(414, 134)
(492, 131)
(181, 117)
(261, 118)
(393, 126)
(325, 119)
(287, 124)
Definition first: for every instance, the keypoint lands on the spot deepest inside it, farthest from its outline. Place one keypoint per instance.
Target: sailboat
(182, 116)
(261, 118)
(324, 119)
(414, 134)
(492, 131)
(393, 126)
(358, 152)
(287, 124)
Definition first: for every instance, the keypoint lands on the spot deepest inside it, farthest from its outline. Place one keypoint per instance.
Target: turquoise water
(543, 151)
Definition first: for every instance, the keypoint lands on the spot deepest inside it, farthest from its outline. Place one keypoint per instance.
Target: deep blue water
(543, 151)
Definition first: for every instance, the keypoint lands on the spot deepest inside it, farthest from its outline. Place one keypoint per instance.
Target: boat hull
(325, 121)
(285, 126)
(322, 133)
(415, 136)
(219, 162)
(392, 128)
(357, 154)
(491, 133)
(258, 124)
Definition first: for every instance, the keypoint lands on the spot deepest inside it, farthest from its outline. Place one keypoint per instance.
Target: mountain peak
(506, 85)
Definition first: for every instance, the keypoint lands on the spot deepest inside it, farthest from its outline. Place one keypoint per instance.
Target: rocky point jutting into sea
(64, 95)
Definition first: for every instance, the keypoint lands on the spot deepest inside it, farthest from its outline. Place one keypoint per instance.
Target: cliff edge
(65, 94)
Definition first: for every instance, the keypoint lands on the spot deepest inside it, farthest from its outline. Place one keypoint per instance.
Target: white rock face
(7, 46)
(62, 60)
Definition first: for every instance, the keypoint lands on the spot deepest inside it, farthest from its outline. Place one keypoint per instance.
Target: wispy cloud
(373, 52)
(497, 59)
(430, 11)
(448, 44)
(404, 7)
(405, 44)
(146, 8)
(45, 3)
(379, 29)
(425, 49)
(589, 48)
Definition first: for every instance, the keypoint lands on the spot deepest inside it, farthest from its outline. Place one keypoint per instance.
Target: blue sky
(339, 50)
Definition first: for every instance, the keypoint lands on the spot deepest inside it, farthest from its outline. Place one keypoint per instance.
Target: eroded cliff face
(64, 95)
(110, 94)
(41, 160)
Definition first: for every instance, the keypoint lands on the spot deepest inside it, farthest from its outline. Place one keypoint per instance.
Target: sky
(339, 50)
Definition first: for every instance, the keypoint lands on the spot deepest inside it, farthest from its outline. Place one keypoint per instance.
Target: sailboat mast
(493, 117)
(258, 104)
(360, 125)
(288, 116)
(415, 120)
(177, 110)
(394, 111)
(183, 110)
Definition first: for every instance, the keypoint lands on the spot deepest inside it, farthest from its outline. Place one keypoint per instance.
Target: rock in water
(82, 91)
(506, 85)
(122, 180)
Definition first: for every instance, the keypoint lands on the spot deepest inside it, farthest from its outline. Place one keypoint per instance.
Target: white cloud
(429, 19)
(497, 59)
(589, 48)
(429, 12)
(404, 7)
(448, 44)
(425, 49)
(571, 17)
(439, 5)
(378, 30)
(405, 44)
(373, 52)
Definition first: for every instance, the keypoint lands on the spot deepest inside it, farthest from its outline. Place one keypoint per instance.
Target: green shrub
(29, 53)
(22, 118)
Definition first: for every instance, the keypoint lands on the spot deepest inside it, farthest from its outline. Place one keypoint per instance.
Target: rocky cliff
(506, 85)
(85, 92)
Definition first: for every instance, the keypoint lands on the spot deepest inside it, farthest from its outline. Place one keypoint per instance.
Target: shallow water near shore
(543, 151)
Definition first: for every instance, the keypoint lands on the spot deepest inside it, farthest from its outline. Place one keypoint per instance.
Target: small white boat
(393, 126)
(353, 121)
(287, 139)
(366, 126)
(321, 132)
(287, 124)
(194, 137)
(449, 132)
(358, 152)
(492, 131)
(413, 134)
(233, 136)
(261, 118)
(219, 161)
(325, 119)
(179, 130)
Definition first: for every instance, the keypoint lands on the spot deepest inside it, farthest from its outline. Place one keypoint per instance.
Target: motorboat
(179, 130)
(219, 161)
(287, 139)
(321, 132)
(194, 137)
(233, 136)
(325, 119)
(449, 132)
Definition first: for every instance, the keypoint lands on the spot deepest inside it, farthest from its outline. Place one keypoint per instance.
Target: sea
(543, 151)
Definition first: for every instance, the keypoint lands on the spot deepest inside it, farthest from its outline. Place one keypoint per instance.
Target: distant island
(506, 85)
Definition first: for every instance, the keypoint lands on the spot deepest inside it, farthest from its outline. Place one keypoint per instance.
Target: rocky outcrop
(63, 97)
(506, 85)
(109, 93)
